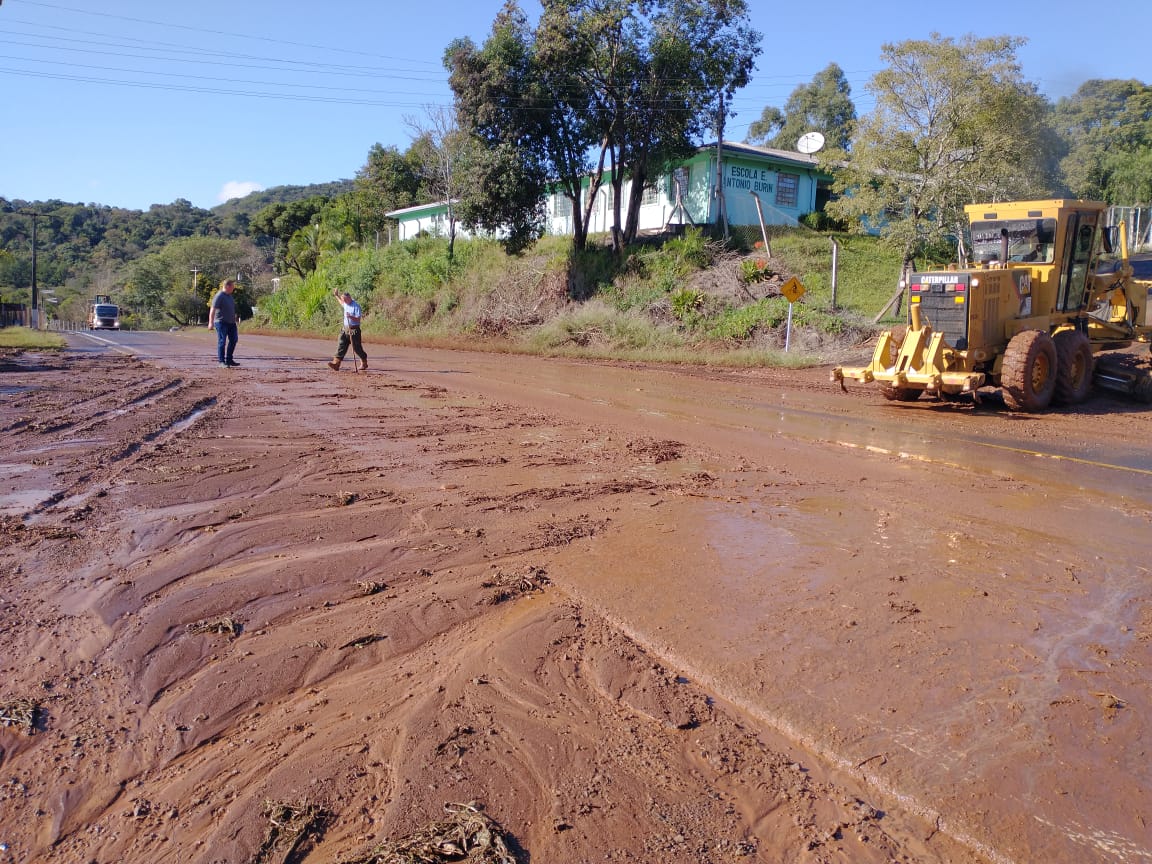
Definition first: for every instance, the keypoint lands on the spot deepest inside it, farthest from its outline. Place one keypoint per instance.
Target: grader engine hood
(943, 300)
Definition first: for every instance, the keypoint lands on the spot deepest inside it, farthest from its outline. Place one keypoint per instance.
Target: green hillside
(681, 300)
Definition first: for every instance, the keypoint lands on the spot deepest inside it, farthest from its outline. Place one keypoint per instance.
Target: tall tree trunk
(579, 224)
(594, 184)
(617, 195)
(451, 231)
(635, 197)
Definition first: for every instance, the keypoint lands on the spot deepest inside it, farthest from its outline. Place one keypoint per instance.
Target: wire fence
(1138, 221)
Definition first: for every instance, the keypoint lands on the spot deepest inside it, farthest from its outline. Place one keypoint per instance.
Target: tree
(1129, 175)
(824, 105)
(147, 282)
(765, 130)
(508, 101)
(660, 73)
(388, 181)
(440, 151)
(504, 197)
(954, 123)
(177, 282)
(1106, 126)
(304, 249)
(280, 221)
(636, 82)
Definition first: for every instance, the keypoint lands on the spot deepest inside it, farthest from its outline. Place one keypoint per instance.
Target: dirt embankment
(292, 618)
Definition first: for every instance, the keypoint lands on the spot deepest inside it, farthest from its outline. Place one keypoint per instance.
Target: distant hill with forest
(87, 245)
(255, 202)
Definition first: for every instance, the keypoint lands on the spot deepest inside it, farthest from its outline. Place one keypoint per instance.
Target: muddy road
(637, 614)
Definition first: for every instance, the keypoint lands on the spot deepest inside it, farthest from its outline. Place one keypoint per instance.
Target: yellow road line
(871, 448)
(1058, 457)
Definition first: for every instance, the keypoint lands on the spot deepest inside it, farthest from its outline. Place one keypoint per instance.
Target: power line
(206, 78)
(310, 66)
(247, 36)
(758, 84)
(290, 97)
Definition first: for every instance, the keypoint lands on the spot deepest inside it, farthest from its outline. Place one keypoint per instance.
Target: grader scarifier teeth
(913, 362)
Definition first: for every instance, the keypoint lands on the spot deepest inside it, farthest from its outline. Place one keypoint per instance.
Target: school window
(563, 207)
(650, 196)
(787, 190)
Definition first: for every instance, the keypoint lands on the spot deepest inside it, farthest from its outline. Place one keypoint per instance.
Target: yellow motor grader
(1028, 315)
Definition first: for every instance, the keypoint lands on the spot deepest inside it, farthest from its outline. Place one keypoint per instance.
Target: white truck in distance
(105, 314)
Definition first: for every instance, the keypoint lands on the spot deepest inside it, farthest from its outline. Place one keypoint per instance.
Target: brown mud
(359, 598)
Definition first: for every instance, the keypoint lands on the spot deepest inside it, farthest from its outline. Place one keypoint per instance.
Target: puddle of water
(63, 445)
(748, 543)
(708, 572)
(79, 499)
(13, 470)
(176, 428)
(22, 501)
(1111, 471)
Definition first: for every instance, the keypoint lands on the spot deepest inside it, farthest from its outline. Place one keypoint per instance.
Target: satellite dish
(810, 142)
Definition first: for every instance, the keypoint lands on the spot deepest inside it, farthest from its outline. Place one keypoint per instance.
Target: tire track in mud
(149, 434)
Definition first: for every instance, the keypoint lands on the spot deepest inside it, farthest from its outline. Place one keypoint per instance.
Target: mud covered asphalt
(633, 614)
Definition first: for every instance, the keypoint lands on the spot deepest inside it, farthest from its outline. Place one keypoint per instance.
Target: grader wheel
(1143, 389)
(1074, 363)
(1028, 379)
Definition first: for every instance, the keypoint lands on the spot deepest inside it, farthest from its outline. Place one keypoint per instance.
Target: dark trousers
(350, 336)
(226, 336)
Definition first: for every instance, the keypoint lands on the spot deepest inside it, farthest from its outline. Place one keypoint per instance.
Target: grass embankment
(25, 339)
(686, 299)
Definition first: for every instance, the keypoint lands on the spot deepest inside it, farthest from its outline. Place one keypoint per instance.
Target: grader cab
(1028, 315)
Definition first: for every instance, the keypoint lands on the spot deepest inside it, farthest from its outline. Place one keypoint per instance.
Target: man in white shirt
(350, 335)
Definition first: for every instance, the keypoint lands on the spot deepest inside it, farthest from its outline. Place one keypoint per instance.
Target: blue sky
(136, 102)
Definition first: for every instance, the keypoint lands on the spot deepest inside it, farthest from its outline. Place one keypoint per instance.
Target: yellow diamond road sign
(793, 289)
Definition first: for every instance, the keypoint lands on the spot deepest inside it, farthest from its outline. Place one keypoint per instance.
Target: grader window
(1030, 240)
(1074, 280)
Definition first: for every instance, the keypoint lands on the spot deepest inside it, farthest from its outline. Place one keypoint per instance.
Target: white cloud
(237, 189)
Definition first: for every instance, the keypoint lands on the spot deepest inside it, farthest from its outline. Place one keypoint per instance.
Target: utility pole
(35, 292)
(721, 206)
(35, 320)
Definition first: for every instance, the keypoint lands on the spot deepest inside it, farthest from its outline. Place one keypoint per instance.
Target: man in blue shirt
(350, 335)
(222, 316)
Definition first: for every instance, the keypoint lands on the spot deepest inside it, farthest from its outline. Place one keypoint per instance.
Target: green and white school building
(784, 183)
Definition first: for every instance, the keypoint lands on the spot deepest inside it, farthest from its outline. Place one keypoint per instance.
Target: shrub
(692, 249)
(755, 270)
(742, 323)
(669, 265)
(818, 220)
(597, 325)
(632, 293)
(687, 303)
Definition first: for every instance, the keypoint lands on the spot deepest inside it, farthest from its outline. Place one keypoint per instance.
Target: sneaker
(223, 365)
(334, 365)
(231, 363)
